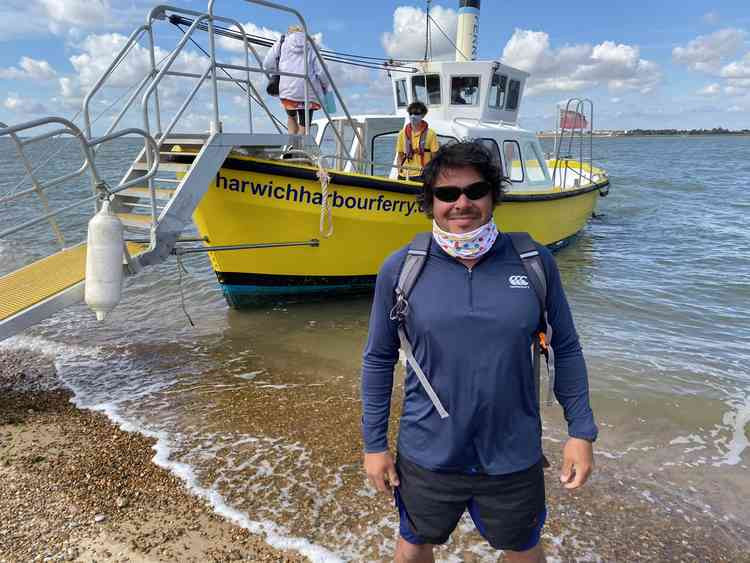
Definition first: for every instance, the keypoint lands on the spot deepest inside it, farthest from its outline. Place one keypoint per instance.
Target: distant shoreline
(647, 135)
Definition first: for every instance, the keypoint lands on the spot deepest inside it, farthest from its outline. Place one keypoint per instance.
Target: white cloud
(15, 103)
(615, 100)
(70, 18)
(578, 67)
(737, 87)
(706, 53)
(29, 69)
(407, 40)
(99, 51)
(79, 13)
(737, 69)
(710, 90)
(735, 109)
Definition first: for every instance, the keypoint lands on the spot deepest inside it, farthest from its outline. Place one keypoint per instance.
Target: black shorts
(300, 115)
(508, 510)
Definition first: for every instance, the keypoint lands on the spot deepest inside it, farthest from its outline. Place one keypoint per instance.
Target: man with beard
(470, 430)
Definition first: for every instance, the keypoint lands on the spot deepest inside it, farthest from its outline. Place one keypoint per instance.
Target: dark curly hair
(459, 155)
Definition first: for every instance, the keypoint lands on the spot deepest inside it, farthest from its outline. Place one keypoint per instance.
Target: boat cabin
(481, 90)
(465, 100)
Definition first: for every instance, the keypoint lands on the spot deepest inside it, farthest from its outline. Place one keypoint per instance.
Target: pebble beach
(78, 488)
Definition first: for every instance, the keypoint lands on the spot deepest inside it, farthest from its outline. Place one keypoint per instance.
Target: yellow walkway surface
(44, 278)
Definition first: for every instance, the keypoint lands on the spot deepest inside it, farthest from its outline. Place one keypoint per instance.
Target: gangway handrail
(315, 49)
(154, 77)
(132, 40)
(100, 188)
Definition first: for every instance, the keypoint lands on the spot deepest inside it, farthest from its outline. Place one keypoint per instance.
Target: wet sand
(83, 490)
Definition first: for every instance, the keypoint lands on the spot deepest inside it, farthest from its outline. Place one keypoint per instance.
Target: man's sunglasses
(475, 191)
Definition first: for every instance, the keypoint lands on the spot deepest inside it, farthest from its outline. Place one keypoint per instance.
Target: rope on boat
(325, 206)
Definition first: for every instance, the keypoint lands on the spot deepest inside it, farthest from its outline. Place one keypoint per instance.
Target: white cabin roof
(486, 91)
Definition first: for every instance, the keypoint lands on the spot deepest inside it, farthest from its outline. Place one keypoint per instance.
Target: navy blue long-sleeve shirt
(471, 330)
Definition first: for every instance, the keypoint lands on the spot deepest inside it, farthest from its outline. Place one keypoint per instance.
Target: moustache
(468, 214)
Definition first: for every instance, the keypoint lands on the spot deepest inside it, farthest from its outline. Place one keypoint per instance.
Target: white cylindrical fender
(104, 268)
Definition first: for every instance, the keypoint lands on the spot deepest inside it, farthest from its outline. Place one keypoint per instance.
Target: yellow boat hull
(253, 201)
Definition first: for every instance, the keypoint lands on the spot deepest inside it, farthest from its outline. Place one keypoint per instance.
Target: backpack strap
(416, 257)
(278, 57)
(413, 264)
(536, 274)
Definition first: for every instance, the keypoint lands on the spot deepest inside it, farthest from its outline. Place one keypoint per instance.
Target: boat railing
(329, 161)
(40, 188)
(158, 71)
(574, 138)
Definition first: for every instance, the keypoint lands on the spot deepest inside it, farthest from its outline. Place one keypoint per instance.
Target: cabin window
(491, 146)
(464, 90)
(534, 165)
(383, 150)
(401, 98)
(512, 158)
(497, 90)
(514, 91)
(330, 144)
(426, 89)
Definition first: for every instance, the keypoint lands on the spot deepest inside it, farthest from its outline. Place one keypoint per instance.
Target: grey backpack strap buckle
(400, 308)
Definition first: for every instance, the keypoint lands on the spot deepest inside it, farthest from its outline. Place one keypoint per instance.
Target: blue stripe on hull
(246, 295)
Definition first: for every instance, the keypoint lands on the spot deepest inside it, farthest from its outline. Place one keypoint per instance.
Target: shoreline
(81, 489)
(84, 490)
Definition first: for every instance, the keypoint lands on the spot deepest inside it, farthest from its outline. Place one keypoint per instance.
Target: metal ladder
(156, 206)
(575, 143)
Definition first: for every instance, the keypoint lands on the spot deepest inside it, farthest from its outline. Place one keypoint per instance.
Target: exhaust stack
(467, 34)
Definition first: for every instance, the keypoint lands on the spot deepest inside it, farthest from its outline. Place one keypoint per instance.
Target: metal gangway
(154, 208)
(574, 144)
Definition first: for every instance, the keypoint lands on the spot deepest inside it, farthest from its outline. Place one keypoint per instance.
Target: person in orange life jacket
(416, 145)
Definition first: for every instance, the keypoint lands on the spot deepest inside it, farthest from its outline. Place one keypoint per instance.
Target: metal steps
(164, 166)
(135, 220)
(162, 194)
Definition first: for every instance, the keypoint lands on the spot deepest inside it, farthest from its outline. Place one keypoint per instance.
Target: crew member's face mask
(415, 119)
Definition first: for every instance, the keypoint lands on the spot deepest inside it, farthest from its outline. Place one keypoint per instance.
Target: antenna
(427, 38)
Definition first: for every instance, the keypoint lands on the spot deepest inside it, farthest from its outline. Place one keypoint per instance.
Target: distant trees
(714, 131)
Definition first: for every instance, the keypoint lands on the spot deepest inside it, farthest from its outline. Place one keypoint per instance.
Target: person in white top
(287, 55)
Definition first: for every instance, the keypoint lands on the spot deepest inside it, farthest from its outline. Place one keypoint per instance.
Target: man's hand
(381, 471)
(578, 462)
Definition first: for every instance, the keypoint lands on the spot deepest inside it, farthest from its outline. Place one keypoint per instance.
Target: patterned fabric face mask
(473, 244)
(415, 120)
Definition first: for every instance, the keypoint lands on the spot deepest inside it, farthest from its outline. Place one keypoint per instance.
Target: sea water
(257, 411)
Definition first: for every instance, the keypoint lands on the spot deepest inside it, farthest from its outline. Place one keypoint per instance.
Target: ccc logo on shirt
(518, 282)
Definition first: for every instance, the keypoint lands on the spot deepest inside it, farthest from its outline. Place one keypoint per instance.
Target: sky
(645, 64)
